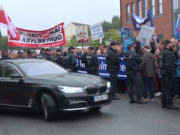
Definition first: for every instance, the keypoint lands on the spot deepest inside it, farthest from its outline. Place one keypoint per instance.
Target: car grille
(93, 90)
(102, 89)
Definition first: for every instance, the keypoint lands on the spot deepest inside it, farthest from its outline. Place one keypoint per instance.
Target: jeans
(148, 83)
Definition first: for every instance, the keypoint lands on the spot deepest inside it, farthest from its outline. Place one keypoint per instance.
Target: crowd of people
(150, 69)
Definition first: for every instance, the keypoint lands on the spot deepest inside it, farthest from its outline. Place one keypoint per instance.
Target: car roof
(21, 60)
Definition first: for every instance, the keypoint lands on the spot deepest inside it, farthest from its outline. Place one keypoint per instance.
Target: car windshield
(41, 68)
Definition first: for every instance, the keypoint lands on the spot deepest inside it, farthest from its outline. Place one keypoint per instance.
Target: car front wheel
(49, 107)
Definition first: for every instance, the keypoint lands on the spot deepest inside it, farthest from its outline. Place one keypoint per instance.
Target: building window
(159, 7)
(175, 12)
(133, 8)
(160, 37)
(145, 7)
(152, 8)
(128, 13)
(139, 8)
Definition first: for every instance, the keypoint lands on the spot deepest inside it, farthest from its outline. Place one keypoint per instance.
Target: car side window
(9, 69)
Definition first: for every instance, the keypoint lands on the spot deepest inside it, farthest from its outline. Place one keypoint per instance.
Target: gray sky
(44, 14)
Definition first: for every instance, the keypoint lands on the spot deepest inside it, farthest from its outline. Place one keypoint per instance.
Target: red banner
(47, 38)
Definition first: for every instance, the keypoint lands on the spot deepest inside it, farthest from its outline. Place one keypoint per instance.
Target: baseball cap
(21, 51)
(71, 48)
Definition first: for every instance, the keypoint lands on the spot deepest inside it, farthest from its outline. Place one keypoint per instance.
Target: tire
(49, 107)
(95, 109)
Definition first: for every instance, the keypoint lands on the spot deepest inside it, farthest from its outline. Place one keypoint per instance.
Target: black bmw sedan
(40, 85)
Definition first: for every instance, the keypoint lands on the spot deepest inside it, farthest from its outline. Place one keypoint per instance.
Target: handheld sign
(127, 37)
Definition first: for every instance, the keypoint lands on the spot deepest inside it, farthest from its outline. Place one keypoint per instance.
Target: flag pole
(0, 9)
(155, 37)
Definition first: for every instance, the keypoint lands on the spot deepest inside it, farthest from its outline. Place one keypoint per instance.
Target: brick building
(164, 14)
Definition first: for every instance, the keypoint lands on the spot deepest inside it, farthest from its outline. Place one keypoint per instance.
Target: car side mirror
(16, 76)
(69, 70)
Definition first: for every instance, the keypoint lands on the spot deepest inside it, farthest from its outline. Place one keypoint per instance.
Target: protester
(41, 55)
(29, 55)
(12, 55)
(105, 50)
(175, 47)
(138, 49)
(152, 44)
(0, 54)
(47, 54)
(178, 77)
(147, 73)
(157, 79)
(58, 59)
(113, 66)
(166, 62)
(120, 51)
(132, 63)
(98, 52)
(53, 53)
(5, 55)
(101, 49)
(160, 46)
(24, 55)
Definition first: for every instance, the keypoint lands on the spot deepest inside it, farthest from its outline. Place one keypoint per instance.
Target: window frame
(158, 6)
(3, 73)
(152, 7)
(139, 8)
(128, 13)
(133, 8)
(173, 10)
(145, 8)
(160, 36)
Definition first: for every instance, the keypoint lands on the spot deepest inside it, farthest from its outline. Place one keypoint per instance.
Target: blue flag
(177, 28)
(138, 21)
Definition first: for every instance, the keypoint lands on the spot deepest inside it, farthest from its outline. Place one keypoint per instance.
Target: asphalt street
(119, 118)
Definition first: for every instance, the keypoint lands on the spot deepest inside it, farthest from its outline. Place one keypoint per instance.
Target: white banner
(96, 31)
(82, 34)
(145, 34)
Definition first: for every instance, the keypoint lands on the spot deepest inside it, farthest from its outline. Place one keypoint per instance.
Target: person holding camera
(167, 64)
(132, 63)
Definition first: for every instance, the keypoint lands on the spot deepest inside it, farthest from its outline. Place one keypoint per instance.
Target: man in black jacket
(132, 63)
(5, 55)
(70, 61)
(58, 59)
(167, 64)
(113, 66)
(92, 63)
(41, 55)
(47, 55)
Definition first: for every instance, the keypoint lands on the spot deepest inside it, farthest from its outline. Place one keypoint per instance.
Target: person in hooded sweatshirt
(147, 72)
(138, 49)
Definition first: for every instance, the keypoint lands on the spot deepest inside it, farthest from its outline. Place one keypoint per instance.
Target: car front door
(11, 90)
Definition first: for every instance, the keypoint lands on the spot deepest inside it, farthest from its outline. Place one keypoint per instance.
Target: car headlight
(108, 85)
(70, 89)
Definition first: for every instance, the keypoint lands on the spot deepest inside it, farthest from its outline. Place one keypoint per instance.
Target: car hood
(68, 79)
